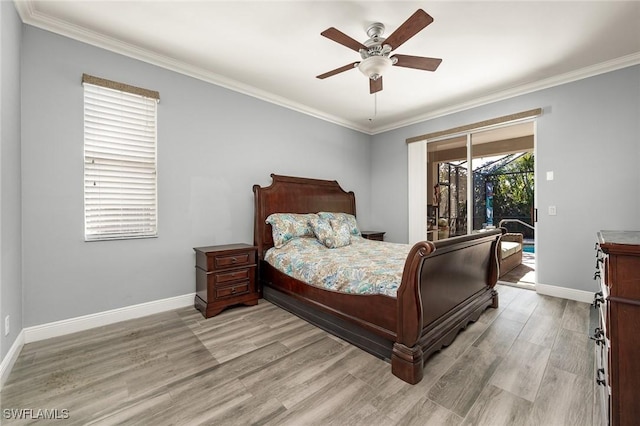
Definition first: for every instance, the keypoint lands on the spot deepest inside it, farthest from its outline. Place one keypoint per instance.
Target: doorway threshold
(521, 284)
(523, 275)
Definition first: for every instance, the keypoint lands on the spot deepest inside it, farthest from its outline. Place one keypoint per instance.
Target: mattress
(362, 267)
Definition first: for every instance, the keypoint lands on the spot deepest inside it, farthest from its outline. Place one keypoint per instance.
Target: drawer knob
(234, 260)
(233, 290)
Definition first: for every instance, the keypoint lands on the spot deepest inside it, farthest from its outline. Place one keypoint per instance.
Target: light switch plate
(552, 210)
(549, 175)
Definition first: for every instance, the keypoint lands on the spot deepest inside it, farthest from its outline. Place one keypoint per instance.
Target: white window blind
(120, 185)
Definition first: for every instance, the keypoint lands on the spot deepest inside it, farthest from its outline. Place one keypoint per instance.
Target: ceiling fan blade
(417, 62)
(338, 70)
(375, 85)
(416, 22)
(340, 37)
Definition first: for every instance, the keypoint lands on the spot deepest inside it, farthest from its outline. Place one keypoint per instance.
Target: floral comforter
(362, 267)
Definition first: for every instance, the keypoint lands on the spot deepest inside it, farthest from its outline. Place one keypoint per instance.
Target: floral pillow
(287, 226)
(331, 233)
(342, 232)
(345, 217)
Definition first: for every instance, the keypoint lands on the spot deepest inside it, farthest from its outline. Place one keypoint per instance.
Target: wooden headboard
(288, 194)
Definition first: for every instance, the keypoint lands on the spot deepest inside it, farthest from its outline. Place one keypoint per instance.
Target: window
(120, 180)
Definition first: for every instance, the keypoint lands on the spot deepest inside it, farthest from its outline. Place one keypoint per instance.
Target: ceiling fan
(376, 51)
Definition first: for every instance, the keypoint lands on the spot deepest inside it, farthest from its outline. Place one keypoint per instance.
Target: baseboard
(565, 293)
(86, 322)
(7, 362)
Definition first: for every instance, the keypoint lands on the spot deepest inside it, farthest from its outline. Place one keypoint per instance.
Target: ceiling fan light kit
(375, 52)
(374, 66)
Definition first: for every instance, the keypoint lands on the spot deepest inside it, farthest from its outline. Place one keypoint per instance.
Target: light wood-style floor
(530, 362)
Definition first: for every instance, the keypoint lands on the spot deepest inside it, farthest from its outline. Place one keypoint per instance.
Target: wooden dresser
(225, 276)
(618, 333)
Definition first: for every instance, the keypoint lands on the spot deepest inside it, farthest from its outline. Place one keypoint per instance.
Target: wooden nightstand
(225, 276)
(373, 235)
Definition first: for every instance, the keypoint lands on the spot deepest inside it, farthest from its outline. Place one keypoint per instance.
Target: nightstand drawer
(234, 275)
(216, 258)
(239, 259)
(233, 290)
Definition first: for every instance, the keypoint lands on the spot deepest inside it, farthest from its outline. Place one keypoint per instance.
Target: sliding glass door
(464, 172)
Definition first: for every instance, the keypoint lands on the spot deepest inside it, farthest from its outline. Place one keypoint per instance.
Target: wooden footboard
(445, 286)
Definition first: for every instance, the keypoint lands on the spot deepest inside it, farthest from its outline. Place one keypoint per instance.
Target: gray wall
(589, 135)
(10, 203)
(214, 145)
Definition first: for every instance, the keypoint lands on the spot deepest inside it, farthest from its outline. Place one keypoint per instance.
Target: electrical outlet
(552, 210)
(7, 322)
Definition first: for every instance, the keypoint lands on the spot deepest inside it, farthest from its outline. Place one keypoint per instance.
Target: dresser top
(624, 240)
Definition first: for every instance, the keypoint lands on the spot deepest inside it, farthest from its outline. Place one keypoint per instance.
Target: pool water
(529, 249)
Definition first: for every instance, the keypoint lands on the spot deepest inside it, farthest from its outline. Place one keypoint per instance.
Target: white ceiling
(273, 49)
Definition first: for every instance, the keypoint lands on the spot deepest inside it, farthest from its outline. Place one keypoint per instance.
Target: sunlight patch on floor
(524, 275)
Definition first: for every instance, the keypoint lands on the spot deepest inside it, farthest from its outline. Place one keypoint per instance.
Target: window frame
(120, 130)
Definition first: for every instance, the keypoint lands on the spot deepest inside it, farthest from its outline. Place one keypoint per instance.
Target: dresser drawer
(602, 387)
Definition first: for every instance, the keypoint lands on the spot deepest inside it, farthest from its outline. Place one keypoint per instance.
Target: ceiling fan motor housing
(375, 58)
(375, 30)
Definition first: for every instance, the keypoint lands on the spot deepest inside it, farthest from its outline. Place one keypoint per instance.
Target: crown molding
(591, 71)
(30, 16)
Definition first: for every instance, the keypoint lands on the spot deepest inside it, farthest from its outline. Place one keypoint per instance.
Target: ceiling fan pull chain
(375, 105)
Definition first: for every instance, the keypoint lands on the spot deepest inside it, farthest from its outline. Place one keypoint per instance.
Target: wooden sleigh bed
(445, 285)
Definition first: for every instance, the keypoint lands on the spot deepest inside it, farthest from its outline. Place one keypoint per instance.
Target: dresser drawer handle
(597, 336)
(598, 299)
(234, 260)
